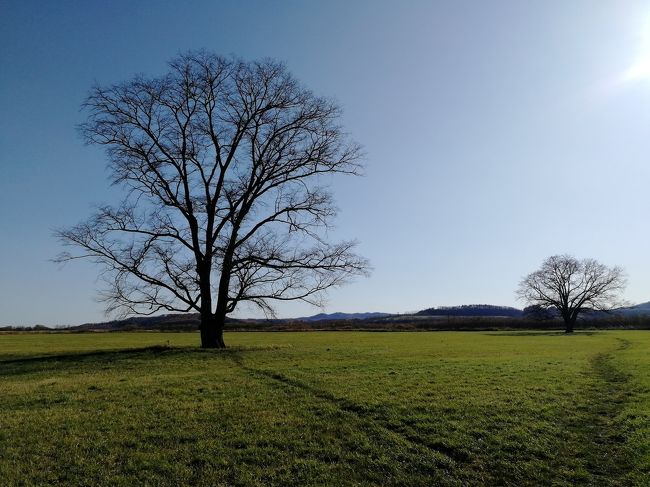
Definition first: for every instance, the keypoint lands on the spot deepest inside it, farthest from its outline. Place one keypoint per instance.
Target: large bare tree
(225, 164)
(573, 286)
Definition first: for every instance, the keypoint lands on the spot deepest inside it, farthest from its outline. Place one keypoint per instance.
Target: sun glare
(640, 70)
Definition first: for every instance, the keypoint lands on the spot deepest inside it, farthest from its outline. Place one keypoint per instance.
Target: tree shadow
(58, 362)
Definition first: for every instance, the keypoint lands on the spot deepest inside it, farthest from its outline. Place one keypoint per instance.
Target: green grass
(334, 408)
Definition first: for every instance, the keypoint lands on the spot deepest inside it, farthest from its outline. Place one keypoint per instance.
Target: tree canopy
(573, 286)
(225, 165)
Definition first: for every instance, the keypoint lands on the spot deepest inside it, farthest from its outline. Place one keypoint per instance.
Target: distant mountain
(176, 322)
(637, 310)
(342, 316)
(472, 310)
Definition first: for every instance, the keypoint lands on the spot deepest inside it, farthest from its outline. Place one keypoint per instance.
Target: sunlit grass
(337, 408)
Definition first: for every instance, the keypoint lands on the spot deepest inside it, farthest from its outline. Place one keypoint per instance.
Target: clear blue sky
(497, 134)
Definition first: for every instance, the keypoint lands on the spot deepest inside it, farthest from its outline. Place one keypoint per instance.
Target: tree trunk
(568, 323)
(218, 319)
(211, 331)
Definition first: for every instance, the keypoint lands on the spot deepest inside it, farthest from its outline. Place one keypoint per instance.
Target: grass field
(333, 408)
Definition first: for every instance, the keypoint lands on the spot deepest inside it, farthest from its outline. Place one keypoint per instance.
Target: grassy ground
(341, 408)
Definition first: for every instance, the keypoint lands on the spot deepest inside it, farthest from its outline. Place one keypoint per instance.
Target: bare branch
(222, 161)
(573, 286)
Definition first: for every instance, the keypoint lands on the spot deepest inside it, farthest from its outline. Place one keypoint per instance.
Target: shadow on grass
(57, 362)
(373, 418)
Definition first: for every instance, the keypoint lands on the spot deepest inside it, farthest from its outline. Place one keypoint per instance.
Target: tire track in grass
(612, 459)
(604, 456)
(444, 458)
(370, 417)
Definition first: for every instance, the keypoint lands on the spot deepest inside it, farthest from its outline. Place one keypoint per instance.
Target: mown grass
(336, 408)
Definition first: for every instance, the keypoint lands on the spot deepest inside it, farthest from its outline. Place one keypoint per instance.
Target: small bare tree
(223, 162)
(573, 286)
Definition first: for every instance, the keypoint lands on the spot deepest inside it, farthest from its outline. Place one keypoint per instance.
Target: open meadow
(330, 408)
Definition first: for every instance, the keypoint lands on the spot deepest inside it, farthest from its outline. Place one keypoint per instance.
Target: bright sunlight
(640, 70)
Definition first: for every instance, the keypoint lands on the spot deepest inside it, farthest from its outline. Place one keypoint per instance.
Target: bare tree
(573, 286)
(225, 163)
